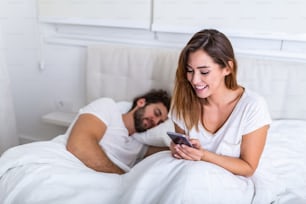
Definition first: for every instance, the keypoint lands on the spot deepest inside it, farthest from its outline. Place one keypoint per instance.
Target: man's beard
(138, 120)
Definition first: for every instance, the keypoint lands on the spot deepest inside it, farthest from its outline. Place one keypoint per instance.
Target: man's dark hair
(154, 96)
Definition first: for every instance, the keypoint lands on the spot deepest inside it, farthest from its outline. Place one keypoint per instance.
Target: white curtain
(8, 135)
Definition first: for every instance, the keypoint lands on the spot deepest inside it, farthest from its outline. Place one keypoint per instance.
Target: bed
(45, 172)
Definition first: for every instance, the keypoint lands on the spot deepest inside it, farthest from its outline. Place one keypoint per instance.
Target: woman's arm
(251, 149)
(84, 140)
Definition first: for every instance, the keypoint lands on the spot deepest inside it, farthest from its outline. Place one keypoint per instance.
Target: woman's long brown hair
(185, 103)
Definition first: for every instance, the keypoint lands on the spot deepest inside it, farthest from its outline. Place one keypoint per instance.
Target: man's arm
(84, 140)
(153, 149)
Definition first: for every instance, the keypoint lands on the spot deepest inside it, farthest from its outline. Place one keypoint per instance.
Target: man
(102, 136)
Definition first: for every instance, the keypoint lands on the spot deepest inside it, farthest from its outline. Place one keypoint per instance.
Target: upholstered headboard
(124, 71)
(282, 83)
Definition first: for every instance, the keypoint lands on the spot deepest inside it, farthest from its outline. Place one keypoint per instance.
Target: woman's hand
(195, 153)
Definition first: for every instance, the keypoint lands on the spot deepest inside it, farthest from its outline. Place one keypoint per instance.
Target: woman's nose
(196, 78)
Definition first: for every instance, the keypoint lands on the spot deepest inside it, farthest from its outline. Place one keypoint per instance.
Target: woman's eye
(204, 73)
(189, 70)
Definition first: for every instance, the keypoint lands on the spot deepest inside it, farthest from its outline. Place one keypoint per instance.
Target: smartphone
(179, 138)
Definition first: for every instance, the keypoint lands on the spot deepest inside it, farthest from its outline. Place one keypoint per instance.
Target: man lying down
(101, 137)
(68, 169)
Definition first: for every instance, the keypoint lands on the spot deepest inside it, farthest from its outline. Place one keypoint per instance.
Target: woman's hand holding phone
(191, 151)
(179, 138)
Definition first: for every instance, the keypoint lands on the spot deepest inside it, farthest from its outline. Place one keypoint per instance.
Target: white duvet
(45, 172)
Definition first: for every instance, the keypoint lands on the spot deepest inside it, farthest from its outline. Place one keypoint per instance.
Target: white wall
(8, 133)
(35, 91)
(46, 61)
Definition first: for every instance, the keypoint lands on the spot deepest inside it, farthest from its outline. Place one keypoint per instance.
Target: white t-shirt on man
(122, 149)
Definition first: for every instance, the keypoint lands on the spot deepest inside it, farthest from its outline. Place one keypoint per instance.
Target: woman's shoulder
(254, 110)
(251, 97)
(253, 102)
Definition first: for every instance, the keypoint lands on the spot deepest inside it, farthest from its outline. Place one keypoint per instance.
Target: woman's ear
(141, 102)
(228, 69)
(231, 64)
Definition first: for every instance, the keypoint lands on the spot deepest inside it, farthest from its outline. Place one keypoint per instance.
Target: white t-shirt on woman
(250, 113)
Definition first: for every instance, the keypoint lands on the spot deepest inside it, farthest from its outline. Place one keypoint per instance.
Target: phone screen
(178, 138)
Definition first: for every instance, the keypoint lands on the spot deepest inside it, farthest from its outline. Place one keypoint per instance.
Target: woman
(226, 124)
(210, 107)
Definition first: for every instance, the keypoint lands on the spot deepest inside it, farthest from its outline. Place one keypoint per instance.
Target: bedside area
(63, 119)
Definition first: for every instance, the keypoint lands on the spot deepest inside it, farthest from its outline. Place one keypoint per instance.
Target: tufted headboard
(124, 71)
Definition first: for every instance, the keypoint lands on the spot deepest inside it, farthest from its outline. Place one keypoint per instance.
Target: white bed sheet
(285, 150)
(45, 172)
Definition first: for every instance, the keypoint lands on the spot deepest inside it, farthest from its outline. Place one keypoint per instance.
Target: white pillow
(156, 136)
(124, 106)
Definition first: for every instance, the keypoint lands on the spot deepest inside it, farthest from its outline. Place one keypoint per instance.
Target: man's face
(149, 116)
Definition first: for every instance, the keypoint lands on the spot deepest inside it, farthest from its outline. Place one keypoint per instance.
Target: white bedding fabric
(285, 150)
(44, 172)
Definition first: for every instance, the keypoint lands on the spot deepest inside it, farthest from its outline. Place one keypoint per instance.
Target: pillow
(156, 136)
(124, 106)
